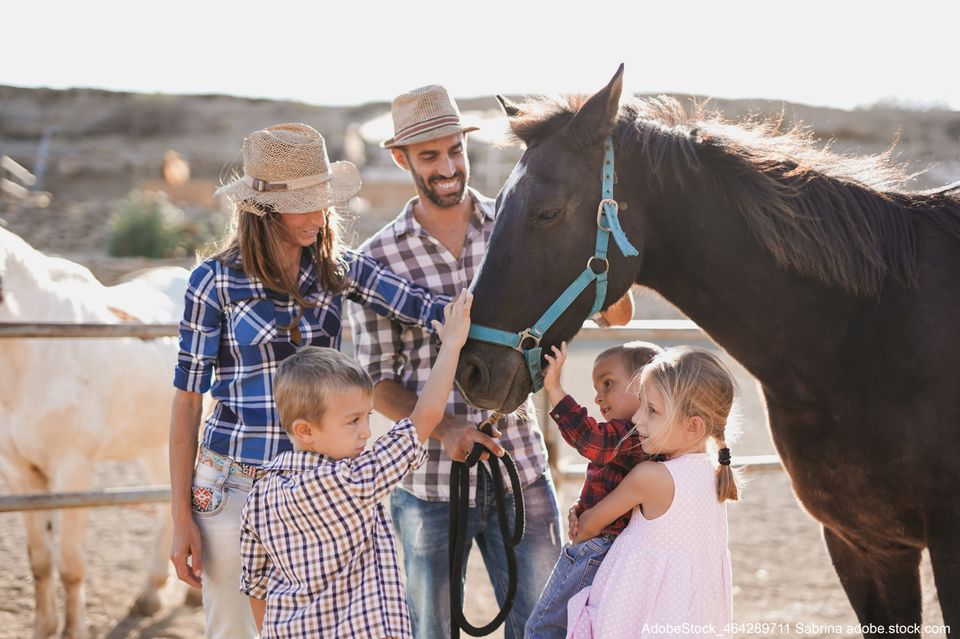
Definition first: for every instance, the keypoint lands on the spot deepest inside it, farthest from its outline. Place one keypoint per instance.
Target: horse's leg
(73, 475)
(943, 531)
(24, 477)
(884, 591)
(148, 602)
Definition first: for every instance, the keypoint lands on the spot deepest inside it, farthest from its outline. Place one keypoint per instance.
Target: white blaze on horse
(65, 403)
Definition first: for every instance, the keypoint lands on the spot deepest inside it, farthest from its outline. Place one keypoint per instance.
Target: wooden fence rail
(683, 330)
(634, 330)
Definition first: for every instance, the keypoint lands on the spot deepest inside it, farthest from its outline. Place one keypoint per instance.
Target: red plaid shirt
(597, 441)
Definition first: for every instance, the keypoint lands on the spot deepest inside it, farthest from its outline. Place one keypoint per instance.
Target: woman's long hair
(257, 240)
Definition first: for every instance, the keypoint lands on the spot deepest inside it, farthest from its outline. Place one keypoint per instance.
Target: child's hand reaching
(456, 320)
(551, 377)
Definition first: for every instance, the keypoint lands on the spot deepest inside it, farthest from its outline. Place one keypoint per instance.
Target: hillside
(104, 144)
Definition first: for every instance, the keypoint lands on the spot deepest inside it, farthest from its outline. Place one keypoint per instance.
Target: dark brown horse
(839, 293)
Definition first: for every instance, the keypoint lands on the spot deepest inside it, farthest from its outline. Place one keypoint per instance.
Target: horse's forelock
(542, 116)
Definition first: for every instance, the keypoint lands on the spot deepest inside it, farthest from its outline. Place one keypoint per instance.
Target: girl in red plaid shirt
(611, 452)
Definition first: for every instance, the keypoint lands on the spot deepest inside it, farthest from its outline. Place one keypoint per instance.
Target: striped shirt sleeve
(256, 566)
(199, 331)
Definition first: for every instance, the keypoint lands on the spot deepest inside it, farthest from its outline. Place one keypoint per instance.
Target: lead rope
(459, 505)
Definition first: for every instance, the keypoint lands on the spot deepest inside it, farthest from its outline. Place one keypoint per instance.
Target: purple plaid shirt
(406, 354)
(316, 542)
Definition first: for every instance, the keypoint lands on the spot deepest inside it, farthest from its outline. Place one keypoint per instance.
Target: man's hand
(457, 435)
(619, 313)
(573, 521)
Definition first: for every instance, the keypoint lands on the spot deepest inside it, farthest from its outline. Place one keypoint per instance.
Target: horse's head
(544, 237)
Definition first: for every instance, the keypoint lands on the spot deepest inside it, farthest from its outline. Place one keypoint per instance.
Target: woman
(278, 284)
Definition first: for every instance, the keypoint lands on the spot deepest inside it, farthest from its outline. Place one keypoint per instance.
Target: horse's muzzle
(492, 377)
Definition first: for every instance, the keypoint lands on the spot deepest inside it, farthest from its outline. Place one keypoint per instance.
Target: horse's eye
(548, 215)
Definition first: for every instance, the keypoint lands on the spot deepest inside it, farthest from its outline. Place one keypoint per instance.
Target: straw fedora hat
(424, 114)
(286, 169)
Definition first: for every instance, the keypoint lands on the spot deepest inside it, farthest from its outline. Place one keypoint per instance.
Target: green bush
(147, 224)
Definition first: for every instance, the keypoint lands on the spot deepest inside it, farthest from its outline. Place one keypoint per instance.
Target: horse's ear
(598, 115)
(511, 109)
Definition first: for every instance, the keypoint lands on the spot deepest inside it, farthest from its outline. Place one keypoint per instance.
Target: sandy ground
(782, 573)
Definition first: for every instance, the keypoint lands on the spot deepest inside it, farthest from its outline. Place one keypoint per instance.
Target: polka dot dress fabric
(669, 577)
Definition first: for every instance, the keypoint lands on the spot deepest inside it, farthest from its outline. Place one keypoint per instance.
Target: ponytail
(727, 484)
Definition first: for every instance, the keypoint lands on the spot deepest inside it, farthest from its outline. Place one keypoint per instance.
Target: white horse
(65, 403)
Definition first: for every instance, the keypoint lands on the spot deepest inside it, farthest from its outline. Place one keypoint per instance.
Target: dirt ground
(784, 584)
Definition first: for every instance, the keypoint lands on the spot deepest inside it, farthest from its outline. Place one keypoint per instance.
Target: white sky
(834, 53)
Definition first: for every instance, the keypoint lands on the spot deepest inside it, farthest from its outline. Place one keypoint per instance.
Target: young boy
(611, 453)
(318, 556)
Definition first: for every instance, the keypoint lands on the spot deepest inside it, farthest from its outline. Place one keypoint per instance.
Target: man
(439, 240)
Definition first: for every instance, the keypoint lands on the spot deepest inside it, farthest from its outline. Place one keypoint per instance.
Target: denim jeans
(575, 570)
(226, 610)
(421, 527)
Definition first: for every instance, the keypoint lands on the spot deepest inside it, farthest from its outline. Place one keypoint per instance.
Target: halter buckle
(603, 260)
(524, 335)
(616, 210)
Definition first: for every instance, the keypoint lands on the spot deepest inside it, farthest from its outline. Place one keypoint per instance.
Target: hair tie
(724, 456)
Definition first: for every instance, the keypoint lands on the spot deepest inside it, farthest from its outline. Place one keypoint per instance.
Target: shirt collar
(297, 461)
(483, 209)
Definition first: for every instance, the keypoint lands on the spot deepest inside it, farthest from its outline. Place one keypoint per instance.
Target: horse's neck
(782, 326)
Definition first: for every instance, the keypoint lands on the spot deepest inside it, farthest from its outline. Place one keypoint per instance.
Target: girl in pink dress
(668, 573)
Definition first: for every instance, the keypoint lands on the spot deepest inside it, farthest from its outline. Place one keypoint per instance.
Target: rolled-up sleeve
(374, 286)
(255, 572)
(199, 331)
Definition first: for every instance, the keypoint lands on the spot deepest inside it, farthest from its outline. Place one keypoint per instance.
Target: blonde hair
(256, 239)
(308, 381)
(695, 383)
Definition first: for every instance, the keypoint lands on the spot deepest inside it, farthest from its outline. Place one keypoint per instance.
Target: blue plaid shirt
(234, 324)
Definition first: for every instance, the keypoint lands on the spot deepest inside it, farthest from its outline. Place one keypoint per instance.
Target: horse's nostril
(475, 374)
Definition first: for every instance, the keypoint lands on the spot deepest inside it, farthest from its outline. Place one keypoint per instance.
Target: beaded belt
(218, 461)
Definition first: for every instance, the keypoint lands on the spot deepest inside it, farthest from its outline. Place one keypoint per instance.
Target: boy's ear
(696, 428)
(301, 428)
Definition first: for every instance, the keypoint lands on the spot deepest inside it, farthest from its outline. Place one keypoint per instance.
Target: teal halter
(527, 341)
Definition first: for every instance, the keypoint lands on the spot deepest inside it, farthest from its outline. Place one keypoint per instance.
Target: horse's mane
(843, 219)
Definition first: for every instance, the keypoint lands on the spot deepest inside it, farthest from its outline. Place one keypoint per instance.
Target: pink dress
(669, 577)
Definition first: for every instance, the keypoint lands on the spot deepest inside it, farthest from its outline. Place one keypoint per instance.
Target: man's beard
(443, 201)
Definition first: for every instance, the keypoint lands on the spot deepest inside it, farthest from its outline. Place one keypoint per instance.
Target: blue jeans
(421, 527)
(575, 570)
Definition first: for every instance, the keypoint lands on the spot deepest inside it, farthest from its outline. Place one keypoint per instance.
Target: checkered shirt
(405, 354)
(598, 441)
(233, 325)
(316, 543)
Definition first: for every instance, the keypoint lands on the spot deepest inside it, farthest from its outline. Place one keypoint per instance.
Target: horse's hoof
(80, 631)
(194, 598)
(45, 630)
(146, 605)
